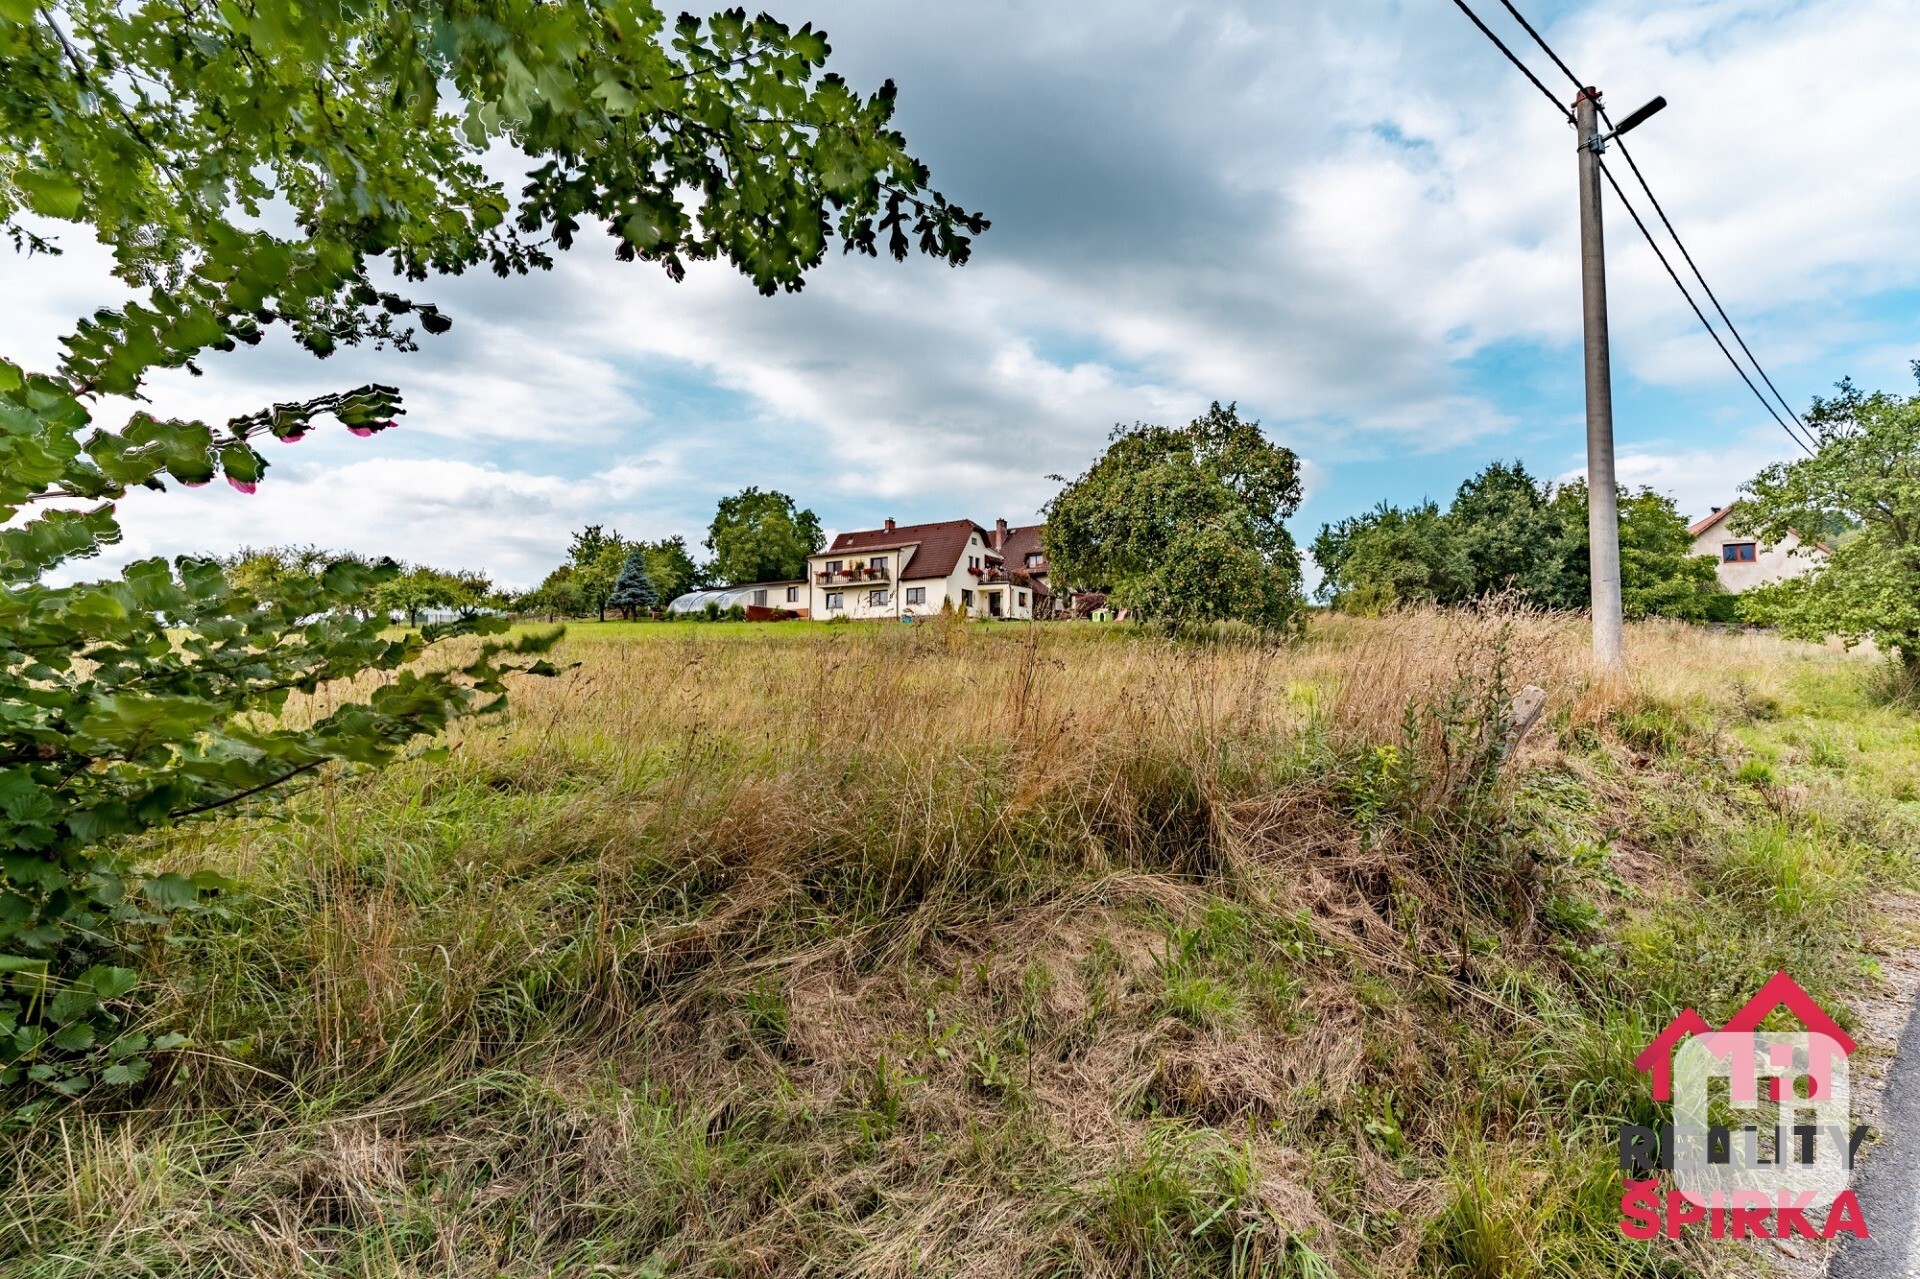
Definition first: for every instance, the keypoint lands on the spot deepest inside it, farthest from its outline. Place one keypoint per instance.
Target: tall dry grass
(889, 951)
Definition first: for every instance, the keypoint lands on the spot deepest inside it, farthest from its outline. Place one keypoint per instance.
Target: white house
(1745, 562)
(917, 569)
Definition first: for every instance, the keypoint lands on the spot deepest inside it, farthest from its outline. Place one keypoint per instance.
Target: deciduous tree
(419, 588)
(260, 166)
(558, 595)
(1185, 524)
(1389, 556)
(761, 537)
(252, 568)
(1513, 540)
(670, 568)
(1659, 574)
(596, 557)
(1864, 477)
(1507, 532)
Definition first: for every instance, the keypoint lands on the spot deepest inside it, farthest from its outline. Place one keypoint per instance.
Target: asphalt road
(1888, 1178)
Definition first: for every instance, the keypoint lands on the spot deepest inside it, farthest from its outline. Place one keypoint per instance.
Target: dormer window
(1035, 559)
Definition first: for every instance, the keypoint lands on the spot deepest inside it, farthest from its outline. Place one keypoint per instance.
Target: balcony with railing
(853, 574)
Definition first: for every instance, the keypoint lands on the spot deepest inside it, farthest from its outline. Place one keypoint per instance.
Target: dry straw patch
(886, 951)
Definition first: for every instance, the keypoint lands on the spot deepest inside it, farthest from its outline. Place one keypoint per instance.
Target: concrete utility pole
(1603, 504)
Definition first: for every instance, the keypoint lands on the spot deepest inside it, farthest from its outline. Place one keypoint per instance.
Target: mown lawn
(804, 949)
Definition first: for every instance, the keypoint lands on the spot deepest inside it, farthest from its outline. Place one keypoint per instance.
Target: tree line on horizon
(1186, 525)
(1508, 533)
(756, 535)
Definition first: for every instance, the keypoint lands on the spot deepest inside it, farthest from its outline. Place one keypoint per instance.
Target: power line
(1665, 221)
(1544, 46)
(1711, 331)
(1682, 246)
(1525, 70)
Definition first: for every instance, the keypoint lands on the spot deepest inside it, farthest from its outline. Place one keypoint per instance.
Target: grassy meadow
(784, 950)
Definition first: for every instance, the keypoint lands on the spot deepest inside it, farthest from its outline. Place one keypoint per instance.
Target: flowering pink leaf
(245, 486)
(362, 431)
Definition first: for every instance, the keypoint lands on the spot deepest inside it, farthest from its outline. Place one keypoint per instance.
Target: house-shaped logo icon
(1781, 991)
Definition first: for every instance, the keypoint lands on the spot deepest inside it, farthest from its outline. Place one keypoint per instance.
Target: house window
(966, 599)
(973, 561)
(876, 599)
(1023, 598)
(759, 599)
(1035, 559)
(878, 563)
(833, 566)
(835, 601)
(1738, 553)
(793, 595)
(916, 595)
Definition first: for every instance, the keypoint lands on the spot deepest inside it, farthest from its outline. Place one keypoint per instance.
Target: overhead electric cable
(1711, 331)
(1724, 317)
(1525, 70)
(1665, 221)
(1545, 48)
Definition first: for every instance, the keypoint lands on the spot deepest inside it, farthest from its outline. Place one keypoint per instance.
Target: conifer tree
(633, 592)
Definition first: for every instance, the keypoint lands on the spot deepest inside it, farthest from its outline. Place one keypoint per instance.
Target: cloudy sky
(1350, 216)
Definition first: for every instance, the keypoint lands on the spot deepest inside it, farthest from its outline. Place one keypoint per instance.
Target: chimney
(889, 523)
(999, 534)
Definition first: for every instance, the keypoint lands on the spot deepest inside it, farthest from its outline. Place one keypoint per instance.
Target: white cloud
(455, 514)
(1319, 209)
(1698, 479)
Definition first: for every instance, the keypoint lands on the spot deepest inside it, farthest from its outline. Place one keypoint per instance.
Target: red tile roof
(1022, 542)
(1700, 526)
(936, 547)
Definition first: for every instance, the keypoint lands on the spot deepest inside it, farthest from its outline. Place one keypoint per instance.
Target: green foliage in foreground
(1507, 532)
(1865, 476)
(141, 702)
(169, 128)
(1185, 524)
(169, 131)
